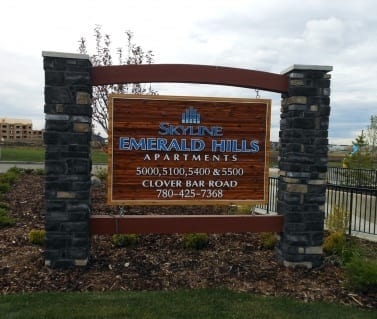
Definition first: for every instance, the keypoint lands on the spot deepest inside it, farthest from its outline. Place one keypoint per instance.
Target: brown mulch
(158, 262)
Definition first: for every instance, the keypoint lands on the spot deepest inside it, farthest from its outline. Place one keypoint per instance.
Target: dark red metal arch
(189, 73)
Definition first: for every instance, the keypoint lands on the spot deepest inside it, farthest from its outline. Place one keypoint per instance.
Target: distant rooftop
(15, 121)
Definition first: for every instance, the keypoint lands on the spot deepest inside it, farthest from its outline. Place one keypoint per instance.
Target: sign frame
(114, 141)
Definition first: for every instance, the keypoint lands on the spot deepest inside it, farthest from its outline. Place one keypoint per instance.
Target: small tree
(360, 158)
(360, 141)
(359, 161)
(130, 54)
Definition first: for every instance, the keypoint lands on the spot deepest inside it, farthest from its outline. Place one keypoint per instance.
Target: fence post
(303, 164)
(67, 138)
(350, 217)
(269, 197)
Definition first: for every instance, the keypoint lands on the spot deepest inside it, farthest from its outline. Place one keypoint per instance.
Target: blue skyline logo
(190, 116)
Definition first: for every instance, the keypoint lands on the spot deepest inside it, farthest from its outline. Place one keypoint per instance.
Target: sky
(269, 35)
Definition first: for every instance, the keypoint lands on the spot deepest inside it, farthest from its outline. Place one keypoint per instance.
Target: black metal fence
(359, 203)
(366, 178)
(271, 206)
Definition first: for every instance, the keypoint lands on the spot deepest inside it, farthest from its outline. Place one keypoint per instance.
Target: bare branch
(103, 57)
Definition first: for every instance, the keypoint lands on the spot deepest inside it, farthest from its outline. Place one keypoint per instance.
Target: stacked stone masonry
(305, 111)
(68, 115)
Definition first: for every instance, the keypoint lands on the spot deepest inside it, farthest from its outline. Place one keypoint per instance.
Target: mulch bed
(158, 262)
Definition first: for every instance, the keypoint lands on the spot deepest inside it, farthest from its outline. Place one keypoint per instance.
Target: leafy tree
(129, 54)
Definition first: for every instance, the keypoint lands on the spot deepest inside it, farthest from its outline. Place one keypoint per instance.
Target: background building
(18, 130)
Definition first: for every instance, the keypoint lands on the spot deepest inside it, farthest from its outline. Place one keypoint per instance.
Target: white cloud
(263, 35)
(324, 33)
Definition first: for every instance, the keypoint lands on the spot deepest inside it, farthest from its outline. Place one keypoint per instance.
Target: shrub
(4, 206)
(339, 245)
(125, 240)
(37, 236)
(338, 220)
(232, 209)
(3, 211)
(11, 175)
(240, 209)
(195, 241)
(362, 274)
(28, 170)
(8, 178)
(39, 171)
(15, 170)
(360, 160)
(334, 243)
(4, 187)
(5, 220)
(268, 240)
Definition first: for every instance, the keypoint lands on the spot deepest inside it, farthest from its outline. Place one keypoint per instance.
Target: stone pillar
(305, 111)
(67, 138)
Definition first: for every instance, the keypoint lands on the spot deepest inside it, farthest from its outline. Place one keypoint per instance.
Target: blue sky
(268, 35)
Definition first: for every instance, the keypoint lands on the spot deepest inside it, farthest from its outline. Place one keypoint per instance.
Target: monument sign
(169, 150)
(187, 151)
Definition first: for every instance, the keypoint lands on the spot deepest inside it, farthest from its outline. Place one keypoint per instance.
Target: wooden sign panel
(169, 150)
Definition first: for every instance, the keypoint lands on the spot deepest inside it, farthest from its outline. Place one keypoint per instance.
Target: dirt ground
(158, 262)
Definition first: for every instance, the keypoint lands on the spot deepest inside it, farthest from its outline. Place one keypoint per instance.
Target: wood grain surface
(184, 177)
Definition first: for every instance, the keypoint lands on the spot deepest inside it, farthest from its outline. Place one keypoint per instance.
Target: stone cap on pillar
(306, 67)
(65, 55)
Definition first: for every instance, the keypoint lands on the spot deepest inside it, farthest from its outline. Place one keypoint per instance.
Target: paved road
(4, 166)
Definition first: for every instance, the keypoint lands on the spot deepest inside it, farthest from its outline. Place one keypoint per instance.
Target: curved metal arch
(189, 73)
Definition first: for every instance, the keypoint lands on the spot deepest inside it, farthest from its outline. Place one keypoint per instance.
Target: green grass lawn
(22, 153)
(37, 154)
(187, 304)
(99, 156)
